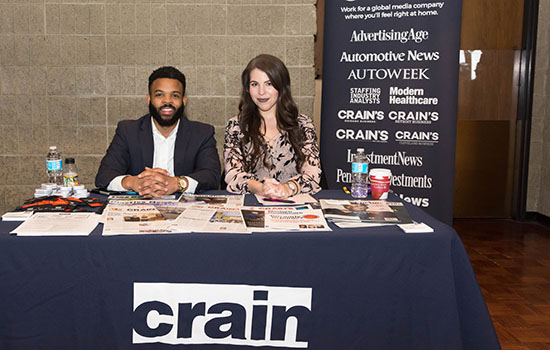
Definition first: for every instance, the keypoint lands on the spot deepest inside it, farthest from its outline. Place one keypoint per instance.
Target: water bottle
(54, 166)
(70, 173)
(359, 175)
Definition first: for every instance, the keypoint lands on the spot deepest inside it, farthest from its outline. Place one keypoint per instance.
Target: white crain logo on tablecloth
(186, 313)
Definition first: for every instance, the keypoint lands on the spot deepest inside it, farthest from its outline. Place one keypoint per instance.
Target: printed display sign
(390, 85)
(245, 315)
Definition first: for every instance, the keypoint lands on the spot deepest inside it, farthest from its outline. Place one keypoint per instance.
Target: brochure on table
(58, 224)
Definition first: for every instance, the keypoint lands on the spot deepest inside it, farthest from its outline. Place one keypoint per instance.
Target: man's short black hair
(167, 72)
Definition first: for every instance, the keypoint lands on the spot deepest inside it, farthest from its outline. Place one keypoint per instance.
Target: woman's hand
(269, 188)
(273, 189)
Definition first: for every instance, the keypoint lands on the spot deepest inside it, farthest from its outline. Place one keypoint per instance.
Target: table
(375, 288)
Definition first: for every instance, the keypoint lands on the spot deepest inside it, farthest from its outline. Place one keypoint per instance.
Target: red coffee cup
(380, 183)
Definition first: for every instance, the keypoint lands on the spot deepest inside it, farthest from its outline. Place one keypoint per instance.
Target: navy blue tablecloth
(372, 288)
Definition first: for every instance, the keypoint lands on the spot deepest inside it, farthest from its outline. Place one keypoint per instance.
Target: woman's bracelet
(294, 187)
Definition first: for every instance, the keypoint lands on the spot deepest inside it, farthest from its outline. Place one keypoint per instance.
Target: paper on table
(210, 218)
(169, 209)
(275, 218)
(301, 218)
(17, 215)
(214, 199)
(192, 219)
(118, 226)
(58, 224)
(226, 220)
(301, 198)
(416, 227)
(352, 224)
(133, 219)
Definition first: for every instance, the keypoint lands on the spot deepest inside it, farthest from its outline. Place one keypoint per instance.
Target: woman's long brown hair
(250, 119)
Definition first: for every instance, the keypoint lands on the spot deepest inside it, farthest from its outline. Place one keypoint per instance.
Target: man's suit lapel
(146, 141)
(182, 142)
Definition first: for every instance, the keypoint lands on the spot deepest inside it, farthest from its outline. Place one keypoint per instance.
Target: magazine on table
(169, 209)
(401, 212)
(136, 197)
(355, 224)
(226, 220)
(145, 212)
(300, 198)
(131, 212)
(118, 227)
(366, 211)
(254, 218)
(397, 207)
(193, 218)
(213, 199)
(134, 219)
(302, 218)
(210, 218)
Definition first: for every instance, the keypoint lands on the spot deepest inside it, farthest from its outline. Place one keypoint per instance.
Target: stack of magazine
(205, 213)
(191, 213)
(364, 213)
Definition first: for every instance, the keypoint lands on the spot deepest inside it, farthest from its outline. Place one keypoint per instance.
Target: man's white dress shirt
(163, 157)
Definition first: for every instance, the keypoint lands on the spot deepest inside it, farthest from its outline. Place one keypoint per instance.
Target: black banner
(390, 85)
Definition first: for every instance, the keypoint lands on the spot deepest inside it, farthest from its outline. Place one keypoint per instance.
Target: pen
(279, 200)
(346, 191)
(100, 191)
(109, 193)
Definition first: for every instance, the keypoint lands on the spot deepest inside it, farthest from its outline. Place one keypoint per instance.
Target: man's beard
(166, 122)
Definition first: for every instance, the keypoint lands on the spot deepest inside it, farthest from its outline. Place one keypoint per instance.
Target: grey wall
(538, 192)
(71, 69)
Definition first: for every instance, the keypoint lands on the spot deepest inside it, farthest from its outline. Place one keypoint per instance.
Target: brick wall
(71, 69)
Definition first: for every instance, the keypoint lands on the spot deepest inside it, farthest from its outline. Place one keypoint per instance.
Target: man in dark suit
(162, 152)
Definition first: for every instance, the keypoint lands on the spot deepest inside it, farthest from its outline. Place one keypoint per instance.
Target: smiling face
(166, 101)
(262, 92)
